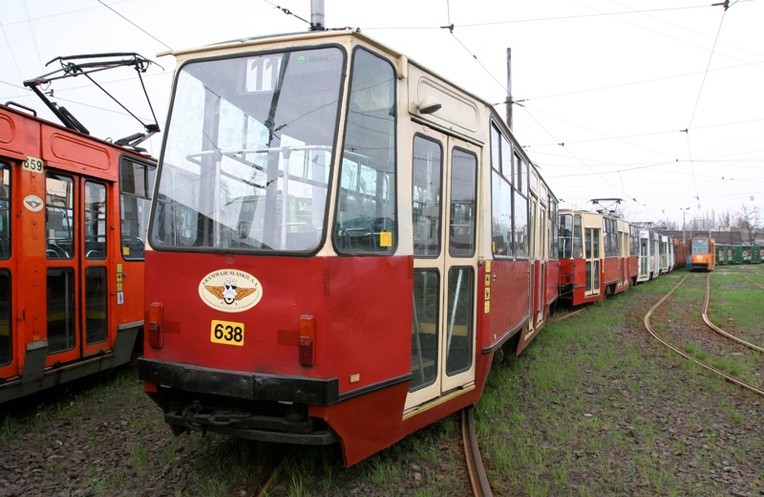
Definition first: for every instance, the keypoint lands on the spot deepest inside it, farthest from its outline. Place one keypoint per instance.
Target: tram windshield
(248, 152)
(700, 246)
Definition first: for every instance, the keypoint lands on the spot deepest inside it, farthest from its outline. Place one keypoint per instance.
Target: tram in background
(73, 218)
(702, 254)
(340, 244)
(594, 255)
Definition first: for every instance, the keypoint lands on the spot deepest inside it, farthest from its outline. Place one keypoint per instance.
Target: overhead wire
(135, 25)
(697, 100)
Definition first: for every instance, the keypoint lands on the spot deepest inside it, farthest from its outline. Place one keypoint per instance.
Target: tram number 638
(227, 332)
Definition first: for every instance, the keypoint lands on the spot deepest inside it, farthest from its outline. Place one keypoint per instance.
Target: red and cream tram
(73, 215)
(340, 243)
(594, 256)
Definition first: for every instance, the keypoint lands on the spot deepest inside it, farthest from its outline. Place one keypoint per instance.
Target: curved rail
(754, 282)
(567, 315)
(720, 331)
(684, 354)
(478, 478)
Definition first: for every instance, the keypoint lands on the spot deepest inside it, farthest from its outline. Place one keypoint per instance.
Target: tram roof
(239, 45)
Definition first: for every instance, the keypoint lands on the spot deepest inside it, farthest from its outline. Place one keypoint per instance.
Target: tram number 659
(227, 332)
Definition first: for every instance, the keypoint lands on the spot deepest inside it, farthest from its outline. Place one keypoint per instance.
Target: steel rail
(684, 354)
(475, 468)
(707, 320)
(567, 315)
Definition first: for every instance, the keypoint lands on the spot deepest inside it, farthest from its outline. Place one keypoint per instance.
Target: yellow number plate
(227, 332)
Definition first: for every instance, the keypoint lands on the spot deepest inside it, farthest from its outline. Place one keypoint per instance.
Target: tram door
(592, 251)
(76, 266)
(6, 317)
(444, 188)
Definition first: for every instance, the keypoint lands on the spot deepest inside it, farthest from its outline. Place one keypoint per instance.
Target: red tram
(340, 244)
(594, 256)
(73, 213)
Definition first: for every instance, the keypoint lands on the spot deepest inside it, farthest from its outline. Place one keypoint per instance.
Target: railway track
(684, 353)
(710, 324)
(475, 469)
(567, 314)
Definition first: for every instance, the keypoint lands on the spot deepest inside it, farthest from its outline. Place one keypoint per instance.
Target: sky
(657, 102)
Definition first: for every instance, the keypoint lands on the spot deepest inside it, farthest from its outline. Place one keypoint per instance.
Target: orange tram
(341, 243)
(73, 213)
(703, 254)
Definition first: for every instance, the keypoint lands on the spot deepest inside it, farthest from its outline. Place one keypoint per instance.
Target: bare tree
(747, 221)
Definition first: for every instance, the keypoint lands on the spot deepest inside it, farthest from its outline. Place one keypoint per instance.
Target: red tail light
(154, 323)
(307, 340)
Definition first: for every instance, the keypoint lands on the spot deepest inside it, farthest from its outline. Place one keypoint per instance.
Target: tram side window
(634, 236)
(611, 237)
(578, 251)
(566, 236)
(59, 216)
(427, 171)
(520, 231)
(554, 229)
(5, 197)
(495, 148)
(501, 195)
(463, 203)
(501, 205)
(136, 185)
(95, 221)
(366, 214)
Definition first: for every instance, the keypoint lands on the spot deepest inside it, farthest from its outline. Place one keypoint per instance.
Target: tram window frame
(425, 345)
(6, 232)
(60, 218)
(461, 209)
(501, 195)
(96, 212)
(578, 237)
(554, 229)
(377, 234)
(520, 225)
(238, 144)
(495, 147)
(501, 218)
(423, 225)
(136, 187)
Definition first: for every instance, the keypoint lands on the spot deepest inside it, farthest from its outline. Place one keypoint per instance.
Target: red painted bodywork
(611, 273)
(510, 300)
(633, 268)
(552, 282)
(355, 337)
(354, 334)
